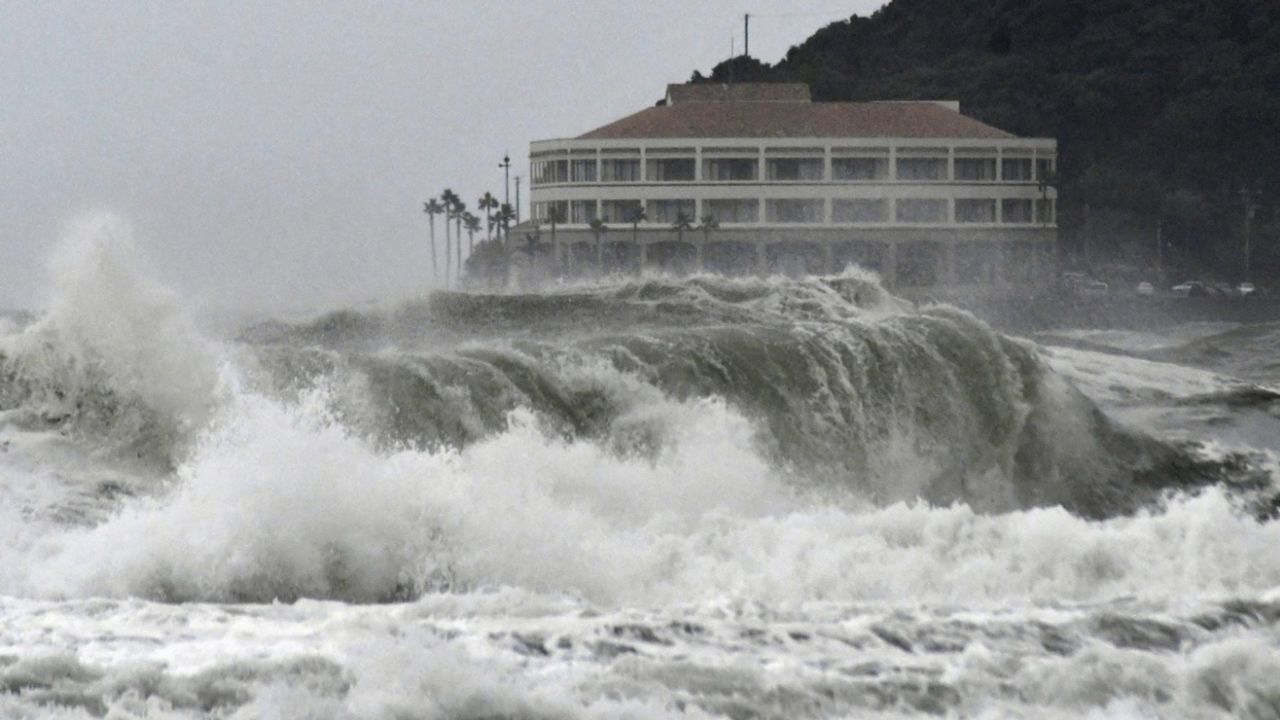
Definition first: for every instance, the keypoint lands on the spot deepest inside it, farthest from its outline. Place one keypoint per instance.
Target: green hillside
(1164, 111)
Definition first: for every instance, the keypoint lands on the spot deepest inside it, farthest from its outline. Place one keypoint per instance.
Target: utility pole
(517, 199)
(506, 179)
(746, 35)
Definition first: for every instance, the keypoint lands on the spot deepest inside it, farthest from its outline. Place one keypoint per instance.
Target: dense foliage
(1165, 111)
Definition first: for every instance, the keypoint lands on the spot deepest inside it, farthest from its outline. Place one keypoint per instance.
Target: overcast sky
(276, 154)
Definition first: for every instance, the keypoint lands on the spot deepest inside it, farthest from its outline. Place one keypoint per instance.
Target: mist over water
(694, 497)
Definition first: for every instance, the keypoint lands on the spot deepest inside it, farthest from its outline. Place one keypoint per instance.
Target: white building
(915, 190)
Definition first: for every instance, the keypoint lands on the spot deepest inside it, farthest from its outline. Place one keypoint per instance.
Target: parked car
(1073, 280)
(1093, 287)
(1191, 288)
(1246, 289)
(1146, 288)
(1081, 284)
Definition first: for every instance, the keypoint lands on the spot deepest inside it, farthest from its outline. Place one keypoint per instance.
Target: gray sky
(276, 154)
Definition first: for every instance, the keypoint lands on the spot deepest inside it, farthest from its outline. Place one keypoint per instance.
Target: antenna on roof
(746, 35)
(732, 38)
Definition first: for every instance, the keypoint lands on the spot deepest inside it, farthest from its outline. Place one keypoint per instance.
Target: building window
(543, 211)
(674, 170)
(733, 211)
(975, 168)
(582, 212)
(793, 211)
(620, 170)
(860, 210)
(917, 168)
(860, 169)
(922, 210)
(666, 211)
(730, 169)
(794, 169)
(550, 171)
(975, 211)
(618, 211)
(1045, 212)
(1044, 168)
(1016, 169)
(1016, 211)
(583, 171)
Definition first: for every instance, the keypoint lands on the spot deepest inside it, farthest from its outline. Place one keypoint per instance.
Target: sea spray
(667, 498)
(114, 359)
(888, 403)
(283, 503)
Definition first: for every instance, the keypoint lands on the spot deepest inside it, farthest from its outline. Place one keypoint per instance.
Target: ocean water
(703, 498)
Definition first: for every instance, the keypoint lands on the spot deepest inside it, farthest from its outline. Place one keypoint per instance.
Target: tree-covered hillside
(1166, 111)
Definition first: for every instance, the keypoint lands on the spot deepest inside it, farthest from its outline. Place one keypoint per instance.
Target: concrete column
(558, 263)
(890, 269)
(949, 275)
(828, 256)
(762, 257)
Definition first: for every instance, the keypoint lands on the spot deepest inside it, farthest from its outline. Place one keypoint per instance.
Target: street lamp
(506, 179)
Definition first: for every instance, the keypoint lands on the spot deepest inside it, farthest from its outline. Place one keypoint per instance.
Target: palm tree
(637, 217)
(488, 203)
(448, 198)
(709, 223)
(598, 228)
(471, 224)
(432, 208)
(533, 242)
(683, 221)
(504, 216)
(459, 210)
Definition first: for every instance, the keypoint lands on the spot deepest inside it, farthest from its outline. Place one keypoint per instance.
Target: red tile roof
(737, 92)
(710, 119)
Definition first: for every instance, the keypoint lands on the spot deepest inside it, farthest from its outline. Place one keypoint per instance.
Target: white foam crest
(282, 501)
(110, 323)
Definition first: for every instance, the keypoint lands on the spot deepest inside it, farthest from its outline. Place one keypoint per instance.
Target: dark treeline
(1167, 112)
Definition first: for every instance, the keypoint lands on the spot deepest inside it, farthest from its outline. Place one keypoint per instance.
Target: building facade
(916, 191)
